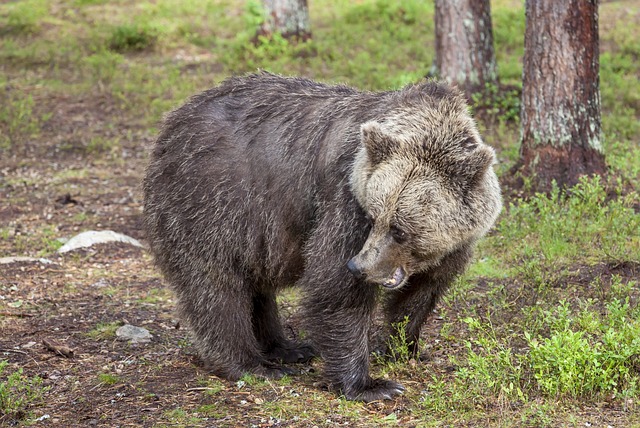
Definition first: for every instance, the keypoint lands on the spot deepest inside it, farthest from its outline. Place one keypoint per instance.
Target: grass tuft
(104, 331)
(132, 38)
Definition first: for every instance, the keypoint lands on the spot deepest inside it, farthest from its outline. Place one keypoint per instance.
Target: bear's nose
(354, 269)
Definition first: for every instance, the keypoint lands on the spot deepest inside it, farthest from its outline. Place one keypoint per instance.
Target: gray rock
(93, 237)
(100, 283)
(17, 259)
(134, 334)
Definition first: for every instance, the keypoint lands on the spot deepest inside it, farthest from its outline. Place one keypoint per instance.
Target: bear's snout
(355, 269)
(377, 267)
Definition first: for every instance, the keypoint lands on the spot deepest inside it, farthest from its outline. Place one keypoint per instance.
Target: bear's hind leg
(220, 316)
(270, 335)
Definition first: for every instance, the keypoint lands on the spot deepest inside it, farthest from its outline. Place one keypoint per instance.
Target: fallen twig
(200, 388)
(16, 314)
(15, 351)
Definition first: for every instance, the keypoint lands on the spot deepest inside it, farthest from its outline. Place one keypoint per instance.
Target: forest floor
(79, 106)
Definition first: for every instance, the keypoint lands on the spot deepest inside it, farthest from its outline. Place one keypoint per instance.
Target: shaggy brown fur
(266, 182)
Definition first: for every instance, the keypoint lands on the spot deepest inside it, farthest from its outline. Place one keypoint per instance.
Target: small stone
(133, 334)
(93, 237)
(100, 283)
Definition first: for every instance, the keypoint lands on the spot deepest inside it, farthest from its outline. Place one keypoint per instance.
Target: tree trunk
(464, 44)
(560, 114)
(290, 18)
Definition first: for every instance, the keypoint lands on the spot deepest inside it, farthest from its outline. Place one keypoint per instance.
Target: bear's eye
(399, 235)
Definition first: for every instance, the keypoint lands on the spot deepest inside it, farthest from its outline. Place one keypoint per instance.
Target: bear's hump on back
(290, 87)
(257, 91)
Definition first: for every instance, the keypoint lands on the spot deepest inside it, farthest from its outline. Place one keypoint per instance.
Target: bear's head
(425, 180)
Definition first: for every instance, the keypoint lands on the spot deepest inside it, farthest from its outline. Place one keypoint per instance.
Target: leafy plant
(575, 363)
(18, 392)
(399, 346)
(491, 364)
(254, 15)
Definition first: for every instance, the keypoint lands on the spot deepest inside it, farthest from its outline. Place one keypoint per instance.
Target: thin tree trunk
(560, 114)
(290, 18)
(464, 44)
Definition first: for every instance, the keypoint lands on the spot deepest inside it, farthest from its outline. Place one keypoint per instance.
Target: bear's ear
(479, 162)
(378, 144)
(469, 172)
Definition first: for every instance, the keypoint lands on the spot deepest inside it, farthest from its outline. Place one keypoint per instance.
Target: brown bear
(265, 182)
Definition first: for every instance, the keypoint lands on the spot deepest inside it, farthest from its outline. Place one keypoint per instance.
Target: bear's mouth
(396, 280)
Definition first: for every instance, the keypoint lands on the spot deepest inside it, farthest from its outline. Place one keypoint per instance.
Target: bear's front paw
(377, 389)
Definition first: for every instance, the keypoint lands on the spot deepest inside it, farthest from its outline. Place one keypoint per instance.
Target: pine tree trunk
(560, 113)
(290, 18)
(464, 44)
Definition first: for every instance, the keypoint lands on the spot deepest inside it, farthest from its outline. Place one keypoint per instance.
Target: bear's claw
(272, 371)
(379, 389)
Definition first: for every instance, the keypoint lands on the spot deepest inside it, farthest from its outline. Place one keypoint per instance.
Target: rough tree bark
(290, 18)
(464, 44)
(560, 113)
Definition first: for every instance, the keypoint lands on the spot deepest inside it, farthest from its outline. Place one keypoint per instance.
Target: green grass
(584, 225)
(102, 66)
(180, 417)
(42, 242)
(508, 38)
(382, 35)
(24, 17)
(17, 118)
(583, 350)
